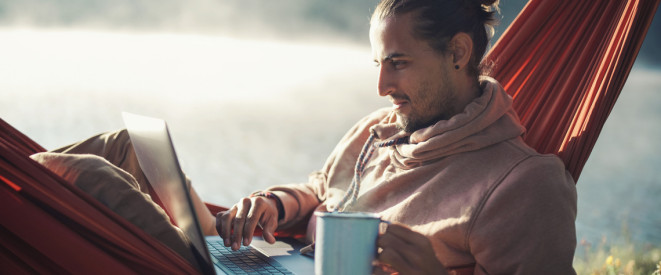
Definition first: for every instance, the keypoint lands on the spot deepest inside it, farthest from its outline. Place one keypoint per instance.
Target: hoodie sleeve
(300, 200)
(526, 224)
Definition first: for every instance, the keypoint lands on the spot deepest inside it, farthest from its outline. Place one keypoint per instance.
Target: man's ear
(462, 49)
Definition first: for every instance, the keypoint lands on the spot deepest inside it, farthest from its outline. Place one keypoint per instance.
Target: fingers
(251, 221)
(393, 260)
(239, 221)
(382, 269)
(395, 251)
(237, 225)
(224, 224)
(269, 225)
(266, 211)
(407, 251)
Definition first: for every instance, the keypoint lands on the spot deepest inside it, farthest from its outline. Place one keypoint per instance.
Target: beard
(433, 104)
(412, 124)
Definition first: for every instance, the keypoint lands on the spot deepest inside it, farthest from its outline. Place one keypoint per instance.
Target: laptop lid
(156, 155)
(157, 158)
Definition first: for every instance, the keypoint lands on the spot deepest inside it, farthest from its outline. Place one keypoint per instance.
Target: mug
(345, 242)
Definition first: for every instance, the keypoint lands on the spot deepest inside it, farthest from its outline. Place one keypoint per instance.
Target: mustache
(400, 97)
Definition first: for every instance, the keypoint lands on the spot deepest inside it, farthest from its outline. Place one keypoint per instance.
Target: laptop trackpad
(286, 252)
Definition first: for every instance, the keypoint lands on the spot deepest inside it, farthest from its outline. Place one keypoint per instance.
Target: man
(446, 164)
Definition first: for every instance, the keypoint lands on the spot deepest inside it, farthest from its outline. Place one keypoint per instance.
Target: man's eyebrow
(391, 56)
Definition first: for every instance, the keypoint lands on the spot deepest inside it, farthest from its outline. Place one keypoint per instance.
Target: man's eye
(394, 63)
(398, 63)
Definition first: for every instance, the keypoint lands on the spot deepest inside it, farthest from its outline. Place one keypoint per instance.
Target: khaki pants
(116, 147)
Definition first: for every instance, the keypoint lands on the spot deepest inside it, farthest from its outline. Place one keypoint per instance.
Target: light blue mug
(345, 242)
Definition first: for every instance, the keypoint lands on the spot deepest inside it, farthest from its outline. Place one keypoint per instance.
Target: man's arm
(298, 200)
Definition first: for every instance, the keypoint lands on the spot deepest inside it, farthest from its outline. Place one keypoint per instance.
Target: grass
(618, 257)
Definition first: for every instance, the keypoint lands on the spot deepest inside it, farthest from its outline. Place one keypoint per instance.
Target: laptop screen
(158, 160)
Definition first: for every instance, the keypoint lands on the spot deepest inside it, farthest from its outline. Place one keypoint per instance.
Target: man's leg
(115, 147)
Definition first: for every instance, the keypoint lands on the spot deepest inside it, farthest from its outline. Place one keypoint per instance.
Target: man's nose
(385, 83)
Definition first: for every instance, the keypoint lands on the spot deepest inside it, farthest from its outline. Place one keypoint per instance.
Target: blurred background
(258, 93)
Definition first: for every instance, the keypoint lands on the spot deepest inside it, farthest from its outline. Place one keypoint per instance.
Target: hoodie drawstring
(365, 155)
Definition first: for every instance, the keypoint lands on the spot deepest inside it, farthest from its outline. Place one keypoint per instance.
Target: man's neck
(470, 90)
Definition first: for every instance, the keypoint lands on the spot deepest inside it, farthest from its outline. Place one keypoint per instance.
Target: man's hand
(407, 251)
(238, 224)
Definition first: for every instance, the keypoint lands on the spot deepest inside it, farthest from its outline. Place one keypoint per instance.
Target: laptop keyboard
(246, 260)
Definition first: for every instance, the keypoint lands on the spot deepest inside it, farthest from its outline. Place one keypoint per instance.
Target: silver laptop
(156, 155)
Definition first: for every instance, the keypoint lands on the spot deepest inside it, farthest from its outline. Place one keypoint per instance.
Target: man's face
(411, 74)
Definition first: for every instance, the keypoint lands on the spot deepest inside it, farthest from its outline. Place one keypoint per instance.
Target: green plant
(614, 258)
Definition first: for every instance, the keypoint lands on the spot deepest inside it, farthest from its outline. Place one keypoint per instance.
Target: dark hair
(437, 21)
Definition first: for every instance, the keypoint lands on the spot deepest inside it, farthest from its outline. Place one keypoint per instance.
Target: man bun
(490, 7)
(488, 2)
(437, 21)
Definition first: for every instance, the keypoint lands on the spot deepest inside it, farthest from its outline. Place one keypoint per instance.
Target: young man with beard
(446, 164)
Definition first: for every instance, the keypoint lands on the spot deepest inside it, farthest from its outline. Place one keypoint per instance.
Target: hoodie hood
(487, 120)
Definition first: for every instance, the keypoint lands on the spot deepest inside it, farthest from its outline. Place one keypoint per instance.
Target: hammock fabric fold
(564, 62)
(50, 226)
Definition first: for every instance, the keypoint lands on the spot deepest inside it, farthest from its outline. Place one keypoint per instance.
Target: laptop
(157, 158)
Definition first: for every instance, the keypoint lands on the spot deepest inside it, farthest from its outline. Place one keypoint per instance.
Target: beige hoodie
(483, 197)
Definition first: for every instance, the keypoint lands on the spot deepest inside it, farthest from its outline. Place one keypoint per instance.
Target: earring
(456, 67)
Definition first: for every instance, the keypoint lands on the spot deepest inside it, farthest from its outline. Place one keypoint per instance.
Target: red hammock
(49, 226)
(564, 62)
